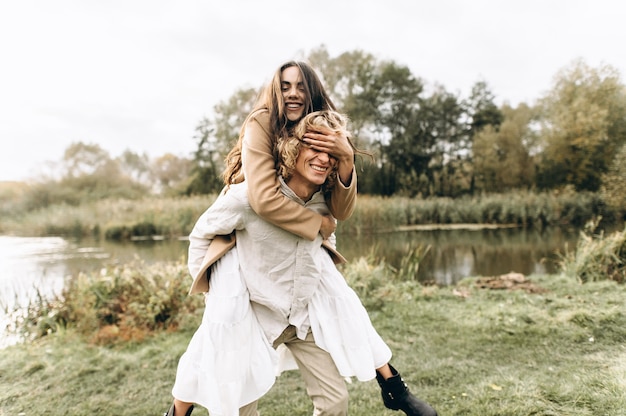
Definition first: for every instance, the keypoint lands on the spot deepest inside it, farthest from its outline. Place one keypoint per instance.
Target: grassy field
(552, 347)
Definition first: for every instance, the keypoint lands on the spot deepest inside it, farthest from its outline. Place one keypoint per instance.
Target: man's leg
(249, 409)
(325, 386)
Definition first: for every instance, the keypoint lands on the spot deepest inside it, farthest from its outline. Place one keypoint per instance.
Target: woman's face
(294, 94)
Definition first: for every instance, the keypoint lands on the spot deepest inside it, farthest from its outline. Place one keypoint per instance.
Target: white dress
(230, 361)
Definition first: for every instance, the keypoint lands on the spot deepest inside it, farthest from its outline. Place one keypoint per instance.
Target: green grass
(468, 351)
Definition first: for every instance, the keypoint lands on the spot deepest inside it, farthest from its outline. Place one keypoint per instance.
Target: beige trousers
(324, 385)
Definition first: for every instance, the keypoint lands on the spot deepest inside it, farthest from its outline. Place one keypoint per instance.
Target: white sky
(140, 74)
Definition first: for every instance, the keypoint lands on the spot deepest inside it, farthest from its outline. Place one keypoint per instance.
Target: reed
(168, 217)
(174, 217)
(523, 209)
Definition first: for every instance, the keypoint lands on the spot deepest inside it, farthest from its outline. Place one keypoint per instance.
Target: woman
(294, 91)
(295, 291)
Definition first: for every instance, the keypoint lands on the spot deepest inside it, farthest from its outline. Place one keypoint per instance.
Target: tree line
(427, 141)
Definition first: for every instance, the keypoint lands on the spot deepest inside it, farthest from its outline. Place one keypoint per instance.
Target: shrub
(120, 303)
(117, 233)
(144, 229)
(376, 282)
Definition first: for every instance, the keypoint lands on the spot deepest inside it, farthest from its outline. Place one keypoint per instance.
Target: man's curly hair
(289, 148)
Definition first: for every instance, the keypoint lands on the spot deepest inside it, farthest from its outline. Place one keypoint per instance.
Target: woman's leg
(385, 371)
(396, 394)
(180, 408)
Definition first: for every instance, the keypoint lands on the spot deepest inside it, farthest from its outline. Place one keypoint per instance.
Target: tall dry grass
(169, 217)
(597, 257)
(174, 217)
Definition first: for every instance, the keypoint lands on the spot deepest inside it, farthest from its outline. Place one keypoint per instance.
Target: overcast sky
(140, 74)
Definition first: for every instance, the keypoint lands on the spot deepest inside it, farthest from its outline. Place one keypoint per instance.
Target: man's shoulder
(237, 191)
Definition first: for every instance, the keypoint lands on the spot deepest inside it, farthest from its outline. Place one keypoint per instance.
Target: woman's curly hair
(288, 149)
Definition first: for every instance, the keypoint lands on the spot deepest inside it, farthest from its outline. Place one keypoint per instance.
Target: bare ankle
(182, 408)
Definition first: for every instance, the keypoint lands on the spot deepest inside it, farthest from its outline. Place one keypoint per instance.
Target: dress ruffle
(342, 327)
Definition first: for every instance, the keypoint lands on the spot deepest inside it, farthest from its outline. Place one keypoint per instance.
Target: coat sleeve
(222, 218)
(264, 193)
(343, 199)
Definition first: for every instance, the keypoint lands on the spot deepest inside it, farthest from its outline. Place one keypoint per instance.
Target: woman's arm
(343, 198)
(264, 193)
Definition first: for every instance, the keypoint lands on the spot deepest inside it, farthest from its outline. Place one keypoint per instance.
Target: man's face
(313, 167)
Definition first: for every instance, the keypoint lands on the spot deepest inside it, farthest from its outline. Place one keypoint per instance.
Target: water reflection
(456, 254)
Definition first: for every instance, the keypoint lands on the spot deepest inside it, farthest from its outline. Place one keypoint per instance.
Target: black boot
(170, 412)
(396, 396)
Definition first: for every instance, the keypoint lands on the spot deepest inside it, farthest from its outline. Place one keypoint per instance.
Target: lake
(43, 262)
(29, 266)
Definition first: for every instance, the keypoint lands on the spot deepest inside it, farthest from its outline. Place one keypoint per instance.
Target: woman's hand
(336, 145)
(328, 226)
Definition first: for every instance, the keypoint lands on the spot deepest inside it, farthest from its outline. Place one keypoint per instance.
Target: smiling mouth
(319, 168)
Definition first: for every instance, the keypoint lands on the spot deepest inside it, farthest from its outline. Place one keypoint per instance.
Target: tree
(481, 112)
(172, 173)
(381, 98)
(91, 174)
(228, 117)
(502, 156)
(215, 137)
(481, 109)
(404, 150)
(88, 173)
(388, 113)
(135, 166)
(350, 79)
(584, 123)
(613, 188)
(81, 159)
(444, 113)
